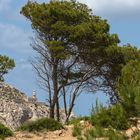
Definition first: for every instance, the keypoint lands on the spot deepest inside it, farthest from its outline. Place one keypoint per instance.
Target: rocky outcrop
(15, 108)
(135, 129)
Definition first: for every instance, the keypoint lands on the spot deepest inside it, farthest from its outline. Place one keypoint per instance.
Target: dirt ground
(65, 134)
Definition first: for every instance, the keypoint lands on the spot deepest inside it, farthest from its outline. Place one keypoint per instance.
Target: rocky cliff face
(15, 108)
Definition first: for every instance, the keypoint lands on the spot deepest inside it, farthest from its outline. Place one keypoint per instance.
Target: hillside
(16, 107)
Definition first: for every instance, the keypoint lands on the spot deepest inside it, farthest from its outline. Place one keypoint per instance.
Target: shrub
(80, 138)
(114, 116)
(95, 133)
(74, 121)
(115, 135)
(98, 132)
(77, 130)
(78, 119)
(136, 135)
(41, 124)
(5, 132)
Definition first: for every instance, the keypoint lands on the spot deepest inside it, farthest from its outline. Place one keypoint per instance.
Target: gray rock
(15, 108)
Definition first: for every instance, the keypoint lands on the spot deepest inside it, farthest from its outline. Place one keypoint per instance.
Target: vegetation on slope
(41, 124)
(5, 132)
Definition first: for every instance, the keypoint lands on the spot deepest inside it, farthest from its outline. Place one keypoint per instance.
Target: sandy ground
(56, 135)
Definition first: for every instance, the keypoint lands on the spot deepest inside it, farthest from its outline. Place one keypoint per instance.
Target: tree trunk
(57, 110)
(65, 102)
(52, 111)
(55, 95)
(71, 107)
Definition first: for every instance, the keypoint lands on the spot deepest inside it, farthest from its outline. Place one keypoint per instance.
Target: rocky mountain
(16, 107)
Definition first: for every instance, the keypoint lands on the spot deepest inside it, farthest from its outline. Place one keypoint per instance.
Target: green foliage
(95, 133)
(137, 137)
(78, 119)
(70, 28)
(41, 124)
(77, 130)
(114, 116)
(72, 20)
(5, 65)
(98, 132)
(130, 53)
(114, 135)
(5, 132)
(80, 138)
(73, 42)
(69, 34)
(129, 88)
(114, 59)
(74, 121)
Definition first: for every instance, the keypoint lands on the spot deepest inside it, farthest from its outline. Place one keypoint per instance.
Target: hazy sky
(15, 33)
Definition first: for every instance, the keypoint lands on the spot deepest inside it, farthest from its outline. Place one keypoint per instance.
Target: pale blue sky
(15, 33)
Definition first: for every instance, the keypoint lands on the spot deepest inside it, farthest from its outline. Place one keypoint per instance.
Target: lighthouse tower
(34, 98)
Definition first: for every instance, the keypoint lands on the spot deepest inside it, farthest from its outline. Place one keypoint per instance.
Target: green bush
(80, 138)
(114, 116)
(77, 130)
(136, 135)
(114, 135)
(41, 124)
(5, 132)
(98, 132)
(95, 132)
(74, 121)
(78, 119)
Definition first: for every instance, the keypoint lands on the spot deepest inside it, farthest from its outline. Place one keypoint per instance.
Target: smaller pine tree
(129, 88)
